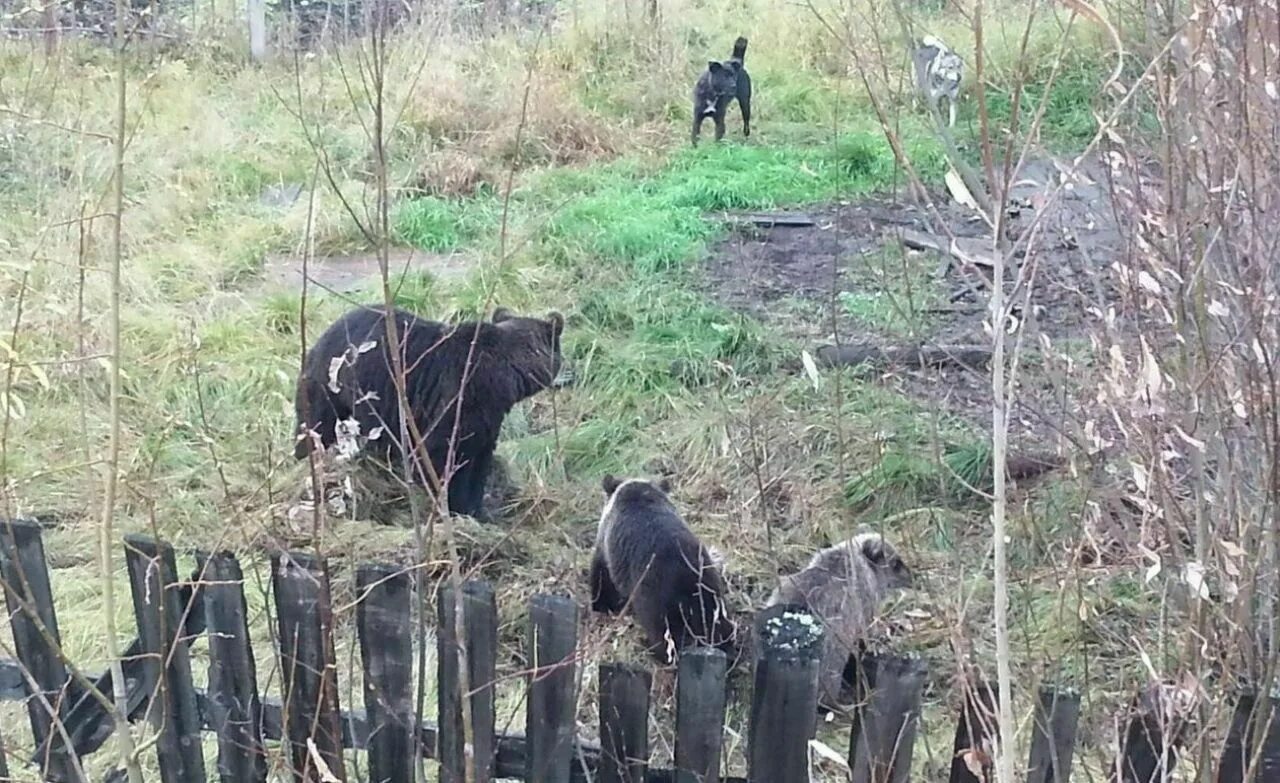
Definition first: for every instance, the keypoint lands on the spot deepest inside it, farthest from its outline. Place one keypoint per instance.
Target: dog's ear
(714, 66)
(664, 484)
(735, 66)
(502, 314)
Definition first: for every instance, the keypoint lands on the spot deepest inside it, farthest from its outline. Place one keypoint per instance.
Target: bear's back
(647, 539)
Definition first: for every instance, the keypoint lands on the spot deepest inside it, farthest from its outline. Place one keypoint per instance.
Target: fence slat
(885, 723)
(89, 723)
(160, 612)
(234, 708)
(975, 732)
(624, 723)
(784, 704)
(1149, 746)
(550, 725)
(1241, 744)
(386, 647)
(480, 619)
(700, 703)
(309, 668)
(26, 587)
(1053, 736)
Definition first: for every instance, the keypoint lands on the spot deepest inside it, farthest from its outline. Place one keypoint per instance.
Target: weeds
(610, 221)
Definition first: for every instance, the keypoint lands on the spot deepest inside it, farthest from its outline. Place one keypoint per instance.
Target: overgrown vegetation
(609, 216)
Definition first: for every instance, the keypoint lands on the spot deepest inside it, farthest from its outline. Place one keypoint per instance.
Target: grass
(611, 215)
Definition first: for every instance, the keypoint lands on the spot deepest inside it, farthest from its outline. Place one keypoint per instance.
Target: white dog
(938, 73)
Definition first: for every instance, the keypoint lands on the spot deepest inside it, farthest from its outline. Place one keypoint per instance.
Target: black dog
(720, 84)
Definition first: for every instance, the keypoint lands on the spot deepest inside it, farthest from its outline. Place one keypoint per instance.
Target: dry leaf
(958, 190)
(322, 769)
(810, 369)
(976, 761)
(829, 753)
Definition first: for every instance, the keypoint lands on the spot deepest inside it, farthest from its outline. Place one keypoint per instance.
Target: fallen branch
(966, 250)
(911, 357)
(1021, 467)
(770, 220)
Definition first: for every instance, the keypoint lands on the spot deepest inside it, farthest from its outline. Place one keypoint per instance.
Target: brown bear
(646, 558)
(843, 586)
(348, 376)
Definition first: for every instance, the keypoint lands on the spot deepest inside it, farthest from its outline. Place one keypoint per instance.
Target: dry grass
(605, 220)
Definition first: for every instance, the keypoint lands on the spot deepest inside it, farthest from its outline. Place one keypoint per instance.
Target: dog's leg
(951, 110)
(697, 126)
(719, 118)
(745, 105)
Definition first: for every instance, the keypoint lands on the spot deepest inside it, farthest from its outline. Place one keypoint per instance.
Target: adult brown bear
(348, 375)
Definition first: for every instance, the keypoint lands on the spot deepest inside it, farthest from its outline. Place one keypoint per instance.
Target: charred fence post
(480, 620)
(160, 612)
(235, 711)
(1053, 736)
(700, 704)
(886, 720)
(1153, 735)
(386, 648)
(310, 675)
(784, 704)
(550, 729)
(1253, 720)
(34, 624)
(974, 732)
(624, 723)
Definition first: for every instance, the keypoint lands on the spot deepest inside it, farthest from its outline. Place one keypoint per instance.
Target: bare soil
(800, 279)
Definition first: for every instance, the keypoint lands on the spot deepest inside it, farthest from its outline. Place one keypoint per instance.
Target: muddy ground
(850, 277)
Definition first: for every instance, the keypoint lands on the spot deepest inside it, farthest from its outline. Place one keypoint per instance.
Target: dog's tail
(740, 49)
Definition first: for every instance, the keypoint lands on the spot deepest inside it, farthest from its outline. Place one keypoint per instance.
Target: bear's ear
(501, 314)
(557, 322)
(714, 66)
(664, 484)
(610, 484)
(873, 550)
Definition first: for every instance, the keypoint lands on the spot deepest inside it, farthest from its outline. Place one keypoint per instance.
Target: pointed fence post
(624, 723)
(550, 728)
(700, 703)
(310, 672)
(159, 608)
(234, 707)
(974, 745)
(887, 718)
(386, 647)
(34, 623)
(480, 618)
(1053, 736)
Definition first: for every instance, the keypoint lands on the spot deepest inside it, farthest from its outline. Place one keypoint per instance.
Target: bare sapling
(106, 534)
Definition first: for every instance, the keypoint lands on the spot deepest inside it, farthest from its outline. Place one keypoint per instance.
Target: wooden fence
(69, 722)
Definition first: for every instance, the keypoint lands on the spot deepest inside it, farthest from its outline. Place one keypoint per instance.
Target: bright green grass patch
(907, 478)
(442, 225)
(658, 223)
(1068, 123)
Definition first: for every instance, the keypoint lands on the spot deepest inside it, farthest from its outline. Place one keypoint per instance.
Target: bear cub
(349, 375)
(843, 586)
(646, 558)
